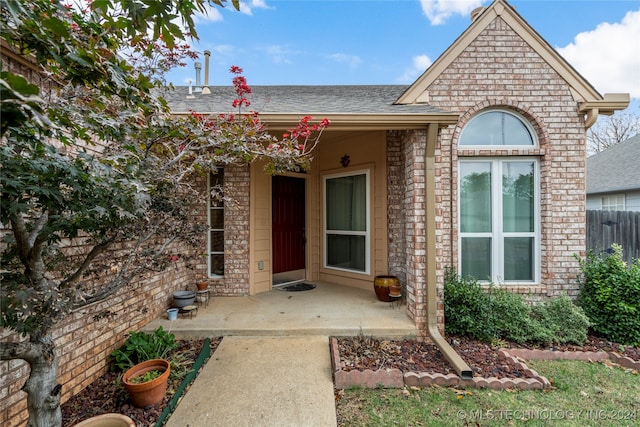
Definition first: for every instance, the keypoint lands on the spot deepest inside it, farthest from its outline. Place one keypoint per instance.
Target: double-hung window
(499, 231)
(346, 222)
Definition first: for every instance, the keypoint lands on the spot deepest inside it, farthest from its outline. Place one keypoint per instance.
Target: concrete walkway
(273, 365)
(262, 381)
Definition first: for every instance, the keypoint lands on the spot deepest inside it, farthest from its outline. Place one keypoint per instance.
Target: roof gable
(582, 90)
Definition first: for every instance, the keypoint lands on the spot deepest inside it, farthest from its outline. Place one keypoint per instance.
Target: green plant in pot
(143, 356)
(147, 382)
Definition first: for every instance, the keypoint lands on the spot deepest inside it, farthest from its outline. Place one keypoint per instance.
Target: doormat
(298, 287)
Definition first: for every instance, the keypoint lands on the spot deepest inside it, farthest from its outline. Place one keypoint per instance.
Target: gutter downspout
(592, 116)
(459, 365)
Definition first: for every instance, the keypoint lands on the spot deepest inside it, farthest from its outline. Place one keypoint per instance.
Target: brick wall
(499, 69)
(85, 339)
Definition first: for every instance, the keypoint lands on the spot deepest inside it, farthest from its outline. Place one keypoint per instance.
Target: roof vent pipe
(205, 88)
(198, 87)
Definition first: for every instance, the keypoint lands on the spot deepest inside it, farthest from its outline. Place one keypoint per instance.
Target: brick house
(406, 180)
(401, 184)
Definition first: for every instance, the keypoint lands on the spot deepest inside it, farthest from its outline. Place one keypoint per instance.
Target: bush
(610, 296)
(465, 307)
(565, 322)
(498, 314)
(510, 318)
(141, 346)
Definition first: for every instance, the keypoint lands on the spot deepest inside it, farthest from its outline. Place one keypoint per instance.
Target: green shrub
(510, 318)
(497, 314)
(141, 346)
(565, 322)
(610, 296)
(465, 307)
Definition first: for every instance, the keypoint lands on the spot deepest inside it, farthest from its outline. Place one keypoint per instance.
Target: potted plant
(143, 356)
(147, 382)
(107, 420)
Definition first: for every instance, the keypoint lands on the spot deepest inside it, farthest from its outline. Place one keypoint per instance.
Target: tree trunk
(43, 391)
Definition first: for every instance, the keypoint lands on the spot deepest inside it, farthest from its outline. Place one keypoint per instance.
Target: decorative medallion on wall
(345, 160)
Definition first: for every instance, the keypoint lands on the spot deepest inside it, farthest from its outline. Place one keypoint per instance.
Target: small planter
(150, 392)
(172, 313)
(381, 286)
(202, 286)
(107, 420)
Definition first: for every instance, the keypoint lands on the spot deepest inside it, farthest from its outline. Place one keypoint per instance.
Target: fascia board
(348, 121)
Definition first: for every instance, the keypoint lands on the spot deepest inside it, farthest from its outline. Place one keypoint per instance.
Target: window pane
(216, 241)
(347, 203)
(217, 219)
(217, 264)
(515, 131)
(216, 187)
(496, 128)
(517, 196)
(476, 257)
(475, 197)
(347, 252)
(518, 258)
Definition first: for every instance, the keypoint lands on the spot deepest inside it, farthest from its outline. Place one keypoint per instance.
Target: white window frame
(497, 234)
(210, 208)
(527, 125)
(613, 200)
(366, 233)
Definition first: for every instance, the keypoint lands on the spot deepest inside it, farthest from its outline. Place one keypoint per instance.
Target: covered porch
(328, 309)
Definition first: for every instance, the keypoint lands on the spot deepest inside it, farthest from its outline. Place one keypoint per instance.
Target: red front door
(288, 232)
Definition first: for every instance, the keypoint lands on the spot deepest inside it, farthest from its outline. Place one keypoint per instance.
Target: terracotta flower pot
(202, 286)
(381, 287)
(395, 290)
(107, 420)
(150, 392)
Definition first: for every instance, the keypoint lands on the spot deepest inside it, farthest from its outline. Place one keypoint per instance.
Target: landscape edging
(394, 378)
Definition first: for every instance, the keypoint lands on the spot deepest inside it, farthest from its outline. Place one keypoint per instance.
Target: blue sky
(331, 42)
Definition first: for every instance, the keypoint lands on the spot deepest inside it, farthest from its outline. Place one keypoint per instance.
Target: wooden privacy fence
(607, 227)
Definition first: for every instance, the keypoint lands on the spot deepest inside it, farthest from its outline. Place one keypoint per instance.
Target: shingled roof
(356, 99)
(615, 169)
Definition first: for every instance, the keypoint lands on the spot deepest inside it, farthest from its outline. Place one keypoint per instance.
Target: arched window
(498, 200)
(497, 128)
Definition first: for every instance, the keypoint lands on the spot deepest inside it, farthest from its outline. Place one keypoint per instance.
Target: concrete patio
(273, 365)
(327, 310)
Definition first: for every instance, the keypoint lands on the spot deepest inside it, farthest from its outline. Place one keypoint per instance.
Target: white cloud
(419, 66)
(247, 7)
(439, 10)
(212, 14)
(609, 56)
(352, 61)
(279, 54)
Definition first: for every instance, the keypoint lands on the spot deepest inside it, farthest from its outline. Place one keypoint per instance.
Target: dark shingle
(300, 100)
(615, 169)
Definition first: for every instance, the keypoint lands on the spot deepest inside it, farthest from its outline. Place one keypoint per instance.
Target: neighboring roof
(364, 106)
(591, 101)
(615, 169)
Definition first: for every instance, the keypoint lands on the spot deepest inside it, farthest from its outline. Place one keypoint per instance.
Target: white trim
(209, 230)
(520, 118)
(497, 234)
(366, 233)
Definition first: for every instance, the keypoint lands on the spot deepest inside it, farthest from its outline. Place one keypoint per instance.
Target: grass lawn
(583, 394)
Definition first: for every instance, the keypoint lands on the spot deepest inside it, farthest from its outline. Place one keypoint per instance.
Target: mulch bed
(362, 353)
(107, 394)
